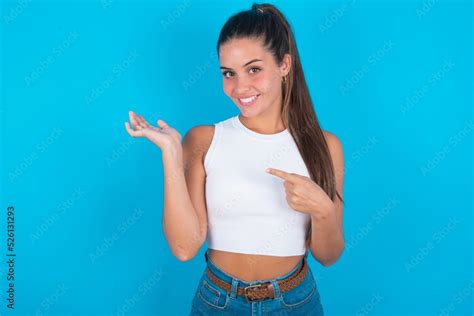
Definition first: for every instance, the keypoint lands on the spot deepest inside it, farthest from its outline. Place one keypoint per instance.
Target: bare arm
(327, 236)
(184, 214)
(179, 218)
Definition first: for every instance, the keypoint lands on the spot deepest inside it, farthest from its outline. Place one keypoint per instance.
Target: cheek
(264, 83)
(227, 86)
(261, 83)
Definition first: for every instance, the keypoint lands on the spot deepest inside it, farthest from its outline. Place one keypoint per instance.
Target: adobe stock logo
(426, 249)
(117, 72)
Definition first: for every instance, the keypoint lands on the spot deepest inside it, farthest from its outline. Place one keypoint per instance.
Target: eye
(224, 73)
(258, 69)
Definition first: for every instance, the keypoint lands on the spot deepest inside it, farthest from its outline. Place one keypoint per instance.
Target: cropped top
(246, 206)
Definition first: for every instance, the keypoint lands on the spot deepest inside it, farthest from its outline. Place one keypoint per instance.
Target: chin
(249, 112)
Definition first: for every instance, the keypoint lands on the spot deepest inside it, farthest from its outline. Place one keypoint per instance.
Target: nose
(242, 86)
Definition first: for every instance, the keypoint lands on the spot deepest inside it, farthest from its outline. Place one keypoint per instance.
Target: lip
(249, 103)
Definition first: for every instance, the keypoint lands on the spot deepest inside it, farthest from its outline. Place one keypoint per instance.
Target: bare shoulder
(197, 140)
(200, 134)
(336, 151)
(334, 144)
(337, 157)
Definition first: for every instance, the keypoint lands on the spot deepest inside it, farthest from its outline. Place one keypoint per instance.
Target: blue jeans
(210, 299)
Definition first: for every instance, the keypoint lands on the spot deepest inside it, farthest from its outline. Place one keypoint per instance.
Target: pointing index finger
(282, 174)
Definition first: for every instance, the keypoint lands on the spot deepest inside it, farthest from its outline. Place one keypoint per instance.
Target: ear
(285, 65)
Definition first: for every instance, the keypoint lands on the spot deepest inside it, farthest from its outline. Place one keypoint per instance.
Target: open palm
(162, 136)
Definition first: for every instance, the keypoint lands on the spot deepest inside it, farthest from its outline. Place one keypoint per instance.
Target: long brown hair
(266, 22)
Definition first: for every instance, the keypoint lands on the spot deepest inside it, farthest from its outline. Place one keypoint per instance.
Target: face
(251, 77)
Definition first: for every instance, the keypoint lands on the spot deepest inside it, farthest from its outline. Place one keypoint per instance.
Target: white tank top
(247, 208)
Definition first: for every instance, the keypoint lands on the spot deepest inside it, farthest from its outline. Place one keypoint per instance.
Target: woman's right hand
(162, 136)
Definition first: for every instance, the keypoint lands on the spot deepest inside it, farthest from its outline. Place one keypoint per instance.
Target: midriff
(248, 267)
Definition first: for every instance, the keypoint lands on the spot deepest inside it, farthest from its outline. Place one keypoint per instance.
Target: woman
(257, 224)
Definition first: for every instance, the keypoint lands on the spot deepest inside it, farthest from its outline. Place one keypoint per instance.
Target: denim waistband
(228, 278)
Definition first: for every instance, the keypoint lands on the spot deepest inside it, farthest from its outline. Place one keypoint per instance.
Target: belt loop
(233, 288)
(276, 289)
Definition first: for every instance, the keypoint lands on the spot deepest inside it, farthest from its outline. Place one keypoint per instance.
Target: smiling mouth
(248, 101)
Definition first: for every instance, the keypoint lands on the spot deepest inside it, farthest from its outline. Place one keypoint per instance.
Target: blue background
(392, 79)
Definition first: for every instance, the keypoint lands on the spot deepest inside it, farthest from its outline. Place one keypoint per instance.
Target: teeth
(247, 100)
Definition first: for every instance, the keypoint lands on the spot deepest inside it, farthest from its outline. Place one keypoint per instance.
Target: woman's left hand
(303, 194)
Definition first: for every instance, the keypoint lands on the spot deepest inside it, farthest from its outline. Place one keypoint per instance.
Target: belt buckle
(250, 287)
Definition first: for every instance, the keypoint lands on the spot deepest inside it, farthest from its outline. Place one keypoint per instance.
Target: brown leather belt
(261, 291)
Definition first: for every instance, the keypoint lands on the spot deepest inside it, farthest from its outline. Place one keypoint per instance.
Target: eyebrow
(253, 60)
